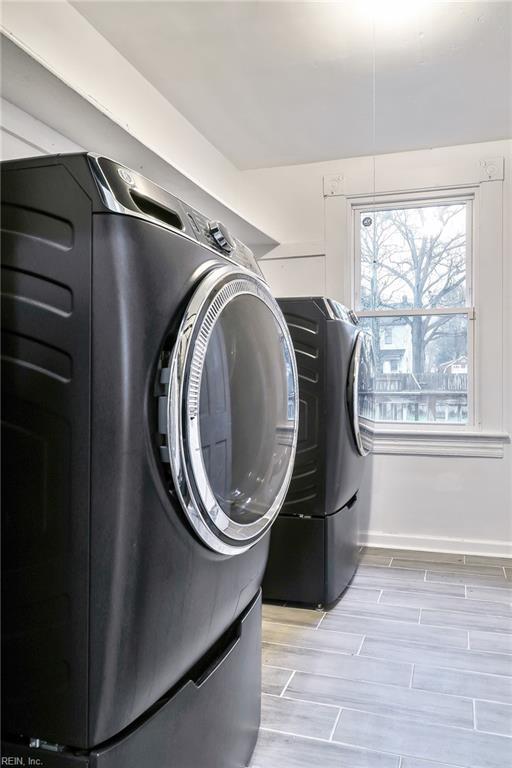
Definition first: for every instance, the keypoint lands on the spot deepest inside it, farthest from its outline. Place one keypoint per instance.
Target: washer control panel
(216, 235)
(221, 236)
(126, 191)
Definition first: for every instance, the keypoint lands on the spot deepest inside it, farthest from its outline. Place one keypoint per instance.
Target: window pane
(413, 257)
(422, 375)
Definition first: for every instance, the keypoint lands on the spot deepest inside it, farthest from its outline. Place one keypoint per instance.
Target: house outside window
(414, 295)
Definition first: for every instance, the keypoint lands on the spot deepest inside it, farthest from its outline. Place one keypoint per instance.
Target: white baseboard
(487, 547)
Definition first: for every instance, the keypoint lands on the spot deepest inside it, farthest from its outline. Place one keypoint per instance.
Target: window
(413, 293)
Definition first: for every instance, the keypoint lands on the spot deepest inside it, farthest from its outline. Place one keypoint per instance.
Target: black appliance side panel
(46, 282)
(306, 321)
(159, 597)
(344, 463)
(341, 550)
(296, 565)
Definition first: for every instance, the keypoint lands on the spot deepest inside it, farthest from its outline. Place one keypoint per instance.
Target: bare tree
(414, 259)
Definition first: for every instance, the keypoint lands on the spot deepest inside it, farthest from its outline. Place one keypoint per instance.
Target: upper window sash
(402, 201)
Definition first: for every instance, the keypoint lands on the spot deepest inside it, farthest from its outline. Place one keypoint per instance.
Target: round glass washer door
(232, 410)
(360, 389)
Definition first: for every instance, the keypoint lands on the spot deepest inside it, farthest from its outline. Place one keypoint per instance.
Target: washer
(150, 425)
(314, 545)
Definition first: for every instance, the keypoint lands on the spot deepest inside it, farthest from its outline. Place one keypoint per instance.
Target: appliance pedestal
(312, 559)
(211, 718)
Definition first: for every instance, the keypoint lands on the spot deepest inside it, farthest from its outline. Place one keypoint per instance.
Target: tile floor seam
(287, 684)
(273, 666)
(387, 685)
(465, 699)
(378, 636)
(453, 609)
(412, 676)
(478, 650)
(350, 612)
(473, 612)
(503, 587)
(360, 646)
(300, 735)
(324, 614)
(356, 747)
(371, 682)
(419, 643)
(495, 733)
(474, 715)
(312, 648)
(307, 626)
(303, 701)
(423, 593)
(492, 701)
(340, 709)
(440, 666)
(483, 600)
(473, 569)
(500, 585)
(451, 626)
(416, 722)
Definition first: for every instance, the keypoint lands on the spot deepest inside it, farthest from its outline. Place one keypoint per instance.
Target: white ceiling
(277, 83)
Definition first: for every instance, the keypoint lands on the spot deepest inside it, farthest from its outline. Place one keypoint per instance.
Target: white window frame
(418, 200)
(422, 178)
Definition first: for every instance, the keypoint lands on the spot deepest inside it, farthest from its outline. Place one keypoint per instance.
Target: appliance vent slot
(156, 211)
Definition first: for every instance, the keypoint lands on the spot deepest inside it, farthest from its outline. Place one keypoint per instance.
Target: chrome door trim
(353, 389)
(213, 526)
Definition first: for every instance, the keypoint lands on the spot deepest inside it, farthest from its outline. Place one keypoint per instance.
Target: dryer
(149, 431)
(314, 545)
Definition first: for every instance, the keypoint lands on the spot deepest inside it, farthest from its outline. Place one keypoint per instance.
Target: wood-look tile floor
(411, 669)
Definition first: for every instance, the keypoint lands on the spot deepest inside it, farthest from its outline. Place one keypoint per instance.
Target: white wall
(422, 501)
(21, 135)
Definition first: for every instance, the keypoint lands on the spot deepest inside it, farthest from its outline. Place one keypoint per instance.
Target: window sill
(435, 442)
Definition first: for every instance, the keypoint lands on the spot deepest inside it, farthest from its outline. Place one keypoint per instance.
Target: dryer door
(360, 386)
(232, 410)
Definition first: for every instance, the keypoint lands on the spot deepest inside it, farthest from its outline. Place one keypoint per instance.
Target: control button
(221, 236)
(126, 176)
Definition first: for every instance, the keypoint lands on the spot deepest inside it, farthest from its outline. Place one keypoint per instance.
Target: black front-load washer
(314, 543)
(149, 430)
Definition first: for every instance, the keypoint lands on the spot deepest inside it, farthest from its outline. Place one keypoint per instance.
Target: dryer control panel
(126, 191)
